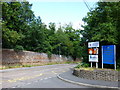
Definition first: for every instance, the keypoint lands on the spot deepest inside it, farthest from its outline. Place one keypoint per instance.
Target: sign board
(108, 54)
(93, 50)
(93, 58)
(93, 44)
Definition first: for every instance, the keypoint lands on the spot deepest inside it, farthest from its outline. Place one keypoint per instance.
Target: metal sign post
(91, 64)
(102, 58)
(115, 56)
(96, 65)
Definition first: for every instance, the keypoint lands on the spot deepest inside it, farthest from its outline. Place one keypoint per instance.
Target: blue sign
(108, 54)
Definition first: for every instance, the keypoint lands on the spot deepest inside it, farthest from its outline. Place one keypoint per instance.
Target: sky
(61, 12)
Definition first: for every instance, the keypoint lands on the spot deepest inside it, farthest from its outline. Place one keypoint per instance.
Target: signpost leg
(96, 65)
(115, 66)
(102, 65)
(102, 57)
(91, 64)
(115, 57)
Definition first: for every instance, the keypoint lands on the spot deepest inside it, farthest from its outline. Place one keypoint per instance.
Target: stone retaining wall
(106, 75)
(10, 57)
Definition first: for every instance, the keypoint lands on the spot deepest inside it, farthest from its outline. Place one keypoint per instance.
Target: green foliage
(118, 63)
(16, 17)
(102, 24)
(106, 14)
(82, 65)
(10, 37)
(22, 30)
(18, 48)
(49, 54)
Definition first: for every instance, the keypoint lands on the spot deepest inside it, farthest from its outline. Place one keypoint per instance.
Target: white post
(102, 57)
(91, 64)
(96, 65)
(115, 57)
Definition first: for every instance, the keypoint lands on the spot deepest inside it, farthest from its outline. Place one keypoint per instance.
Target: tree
(9, 37)
(16, 17)
(22, 30)
(74, 37)
(103, 24)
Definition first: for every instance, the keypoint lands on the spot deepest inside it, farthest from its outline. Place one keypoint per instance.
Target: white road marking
(36, 81)
(13, 87)
(17, 86)
(28, 83)
(45, 78)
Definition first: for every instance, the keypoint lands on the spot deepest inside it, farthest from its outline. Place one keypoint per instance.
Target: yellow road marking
(24, 78)
(54, 72)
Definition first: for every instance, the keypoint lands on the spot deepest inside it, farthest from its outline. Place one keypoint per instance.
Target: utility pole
(59, 49)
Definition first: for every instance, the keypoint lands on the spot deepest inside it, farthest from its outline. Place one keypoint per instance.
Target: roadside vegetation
(22, 30)
(86, 66)
(29, 65)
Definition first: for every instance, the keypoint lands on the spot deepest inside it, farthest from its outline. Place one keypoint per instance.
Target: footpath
(69, 77)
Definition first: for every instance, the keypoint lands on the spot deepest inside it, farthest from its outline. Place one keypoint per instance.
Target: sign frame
(93, 57)
(94, 46)
(114, 46)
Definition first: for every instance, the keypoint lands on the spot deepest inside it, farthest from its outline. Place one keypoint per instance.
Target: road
(37, 77)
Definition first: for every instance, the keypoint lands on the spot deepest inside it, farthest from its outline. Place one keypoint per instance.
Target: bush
(18, 48)
(49, 54)
(82, 65)
(118, 63)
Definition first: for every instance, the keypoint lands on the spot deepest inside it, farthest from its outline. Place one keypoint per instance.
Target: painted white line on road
(36, 81)
(13, 87)
(28, 83)
(17, 86)
(45, 78)
(55, 68)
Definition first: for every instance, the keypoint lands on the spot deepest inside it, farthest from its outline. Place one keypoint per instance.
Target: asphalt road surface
(37, 77)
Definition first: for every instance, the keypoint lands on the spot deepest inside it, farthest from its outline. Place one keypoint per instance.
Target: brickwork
(10, 57)
(106, 75)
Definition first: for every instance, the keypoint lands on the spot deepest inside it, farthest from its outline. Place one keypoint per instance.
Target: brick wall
(106, 75)
(10, 57)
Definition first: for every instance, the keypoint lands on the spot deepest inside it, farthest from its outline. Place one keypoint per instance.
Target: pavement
(69, 77)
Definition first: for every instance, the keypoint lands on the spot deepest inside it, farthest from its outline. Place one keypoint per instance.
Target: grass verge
(28, 65)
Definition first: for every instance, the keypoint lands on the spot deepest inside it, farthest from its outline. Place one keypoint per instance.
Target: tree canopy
(21, 28)
(102, 23)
